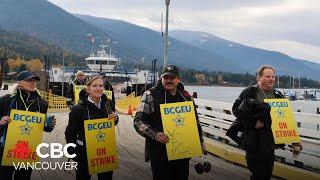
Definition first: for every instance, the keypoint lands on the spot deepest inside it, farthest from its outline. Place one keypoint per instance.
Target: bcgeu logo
(52, 150)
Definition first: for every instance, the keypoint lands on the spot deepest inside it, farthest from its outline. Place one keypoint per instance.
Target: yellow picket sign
(284, 126)
(108, 94)
(23, 136)
(179, 123)
(101, 145)
(76, 90)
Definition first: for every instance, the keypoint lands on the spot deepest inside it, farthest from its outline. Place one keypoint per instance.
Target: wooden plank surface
(131, 153)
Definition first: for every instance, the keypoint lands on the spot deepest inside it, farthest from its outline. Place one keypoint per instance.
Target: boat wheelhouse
(100, 60)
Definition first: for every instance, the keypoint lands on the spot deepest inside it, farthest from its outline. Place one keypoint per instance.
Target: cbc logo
(56, 150)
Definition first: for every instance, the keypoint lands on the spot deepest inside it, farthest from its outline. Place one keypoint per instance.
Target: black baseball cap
(103, 74)
(171, 70)
(25, 75)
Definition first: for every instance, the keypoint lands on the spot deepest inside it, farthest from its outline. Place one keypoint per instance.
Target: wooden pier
(131, 153)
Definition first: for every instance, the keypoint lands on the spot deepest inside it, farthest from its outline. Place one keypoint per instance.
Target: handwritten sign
(23, 136)
(101, 145)
(76, 90)
(179, 123)
(284, 126)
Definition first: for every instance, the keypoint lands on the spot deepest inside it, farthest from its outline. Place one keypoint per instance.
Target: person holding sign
(108, 89)
(93, 114)
(254, 114)
(25, 99)
(149, 123)
(79, 81)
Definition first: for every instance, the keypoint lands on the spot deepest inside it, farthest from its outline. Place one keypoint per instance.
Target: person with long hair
(93, 104)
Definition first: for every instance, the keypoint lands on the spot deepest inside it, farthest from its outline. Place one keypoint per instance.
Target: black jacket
(108, 86)
(247, 111)
(70, 91)
(33, 101)
(81, 112)
(156, 150)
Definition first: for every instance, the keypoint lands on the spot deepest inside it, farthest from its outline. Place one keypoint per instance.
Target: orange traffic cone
(130, 110)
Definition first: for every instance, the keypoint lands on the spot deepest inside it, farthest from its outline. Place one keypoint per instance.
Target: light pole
(165, 56)
(63, 68)
(292, 81)
(299, 81)
(1, 70)
(68, 39)
(91, 39)
(145, 73)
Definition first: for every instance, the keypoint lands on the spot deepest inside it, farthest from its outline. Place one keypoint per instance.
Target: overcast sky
(288, 26)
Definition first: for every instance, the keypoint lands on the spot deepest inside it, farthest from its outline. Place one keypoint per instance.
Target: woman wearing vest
(93, 104)
(25, 98)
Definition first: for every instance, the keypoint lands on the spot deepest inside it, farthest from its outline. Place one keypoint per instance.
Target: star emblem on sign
(100, 136)
(280, 113)
(179, 120)
(26, 129)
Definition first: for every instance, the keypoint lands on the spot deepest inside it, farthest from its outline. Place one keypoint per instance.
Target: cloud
(250, 22)
(292, 48)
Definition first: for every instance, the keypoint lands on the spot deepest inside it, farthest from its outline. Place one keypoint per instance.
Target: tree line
(198, 77)
(17, 45)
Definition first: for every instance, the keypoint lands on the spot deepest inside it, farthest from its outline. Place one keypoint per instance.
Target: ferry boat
(100, 60)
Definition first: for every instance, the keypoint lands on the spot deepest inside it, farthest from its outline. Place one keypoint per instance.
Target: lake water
(229, 94)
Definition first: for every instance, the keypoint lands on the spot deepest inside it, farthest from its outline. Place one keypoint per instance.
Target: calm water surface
(229, 94)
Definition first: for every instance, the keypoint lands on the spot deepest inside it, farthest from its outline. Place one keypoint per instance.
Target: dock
(227, 160)
(131, 154)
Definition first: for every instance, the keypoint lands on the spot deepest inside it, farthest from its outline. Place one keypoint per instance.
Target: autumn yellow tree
(14, 64)
(34, 65)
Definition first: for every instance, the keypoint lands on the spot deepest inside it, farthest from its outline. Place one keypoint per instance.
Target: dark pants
(261, 168)
(260, 155)
(6, 172)
(82, 172)
(170, 170)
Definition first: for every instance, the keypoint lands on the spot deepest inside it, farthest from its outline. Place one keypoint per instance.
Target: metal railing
(56, 103)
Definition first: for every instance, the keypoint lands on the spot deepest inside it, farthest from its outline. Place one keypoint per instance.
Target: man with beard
(148, 123)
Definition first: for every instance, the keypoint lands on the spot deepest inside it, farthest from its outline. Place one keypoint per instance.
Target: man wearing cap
(80, 80)
(148, 123)
(25, 98)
